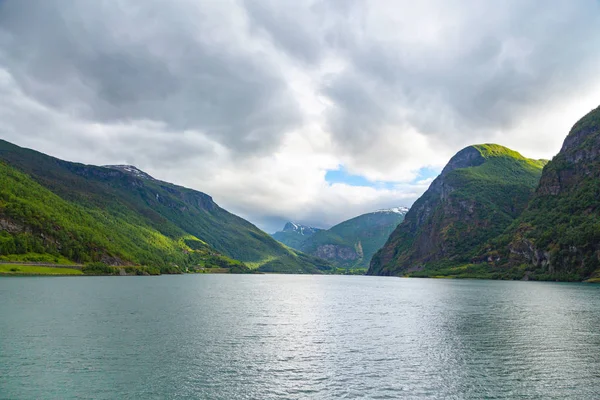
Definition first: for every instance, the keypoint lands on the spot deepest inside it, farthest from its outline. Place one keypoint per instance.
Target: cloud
(254, 101)
(186, 66)
(457, 72)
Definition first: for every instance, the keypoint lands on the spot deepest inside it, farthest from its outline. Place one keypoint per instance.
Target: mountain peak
(583, 133)
(131, 170)
(468, 157)
(299, 228)
(479, 181)
(395, 210)
(290, 226)
(478, 154)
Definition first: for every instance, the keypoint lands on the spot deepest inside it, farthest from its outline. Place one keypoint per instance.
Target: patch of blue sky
(341, 175)
(427, 173)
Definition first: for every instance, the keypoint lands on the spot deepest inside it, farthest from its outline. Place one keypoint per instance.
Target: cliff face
(479, 193)
(337, 253)
(558, 235)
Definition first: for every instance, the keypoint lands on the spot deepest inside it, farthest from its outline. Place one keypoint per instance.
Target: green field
(14, 269)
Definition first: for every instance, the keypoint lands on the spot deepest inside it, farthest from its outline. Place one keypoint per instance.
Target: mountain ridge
(168, 213)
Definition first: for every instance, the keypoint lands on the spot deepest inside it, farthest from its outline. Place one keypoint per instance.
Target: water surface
(296, 337)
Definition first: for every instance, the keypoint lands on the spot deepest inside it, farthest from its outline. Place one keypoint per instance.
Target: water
(292, 337)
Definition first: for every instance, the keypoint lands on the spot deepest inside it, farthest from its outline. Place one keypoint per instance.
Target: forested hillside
(122, 216)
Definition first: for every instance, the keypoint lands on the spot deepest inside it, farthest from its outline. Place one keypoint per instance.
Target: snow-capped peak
(301, 229)
(395, 210)
(130, 169)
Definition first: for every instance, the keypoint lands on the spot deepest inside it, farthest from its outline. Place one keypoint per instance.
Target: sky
(310, 111)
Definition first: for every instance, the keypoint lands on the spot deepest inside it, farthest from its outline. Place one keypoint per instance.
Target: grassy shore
(16, 269)
(99, 269)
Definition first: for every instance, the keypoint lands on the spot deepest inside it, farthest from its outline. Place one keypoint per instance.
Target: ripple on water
(297, 337)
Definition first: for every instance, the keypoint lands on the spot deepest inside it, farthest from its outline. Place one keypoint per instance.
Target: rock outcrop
(334, 252)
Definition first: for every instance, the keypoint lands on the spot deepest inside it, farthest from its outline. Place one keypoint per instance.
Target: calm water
(274, 336)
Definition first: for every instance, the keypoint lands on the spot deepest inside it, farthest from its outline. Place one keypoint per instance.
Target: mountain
(294, 234)
(479, 193)
(122, 216)
(558, 236)
(352, 243)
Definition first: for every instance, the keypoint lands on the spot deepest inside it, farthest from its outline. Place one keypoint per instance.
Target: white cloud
(252, 102)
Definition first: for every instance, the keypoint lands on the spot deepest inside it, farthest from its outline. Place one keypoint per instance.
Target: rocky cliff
(479, 193)
(558, 235)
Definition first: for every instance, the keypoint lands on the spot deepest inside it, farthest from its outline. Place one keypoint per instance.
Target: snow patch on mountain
(395, 210)
(130, 169)
(300, 229)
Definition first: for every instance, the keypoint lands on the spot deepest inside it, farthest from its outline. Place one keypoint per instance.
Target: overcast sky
(311, 111)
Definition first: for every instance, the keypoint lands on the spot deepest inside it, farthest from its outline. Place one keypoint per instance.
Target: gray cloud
(169, 62)
(484, 74)
(251, 101)
(291, 28)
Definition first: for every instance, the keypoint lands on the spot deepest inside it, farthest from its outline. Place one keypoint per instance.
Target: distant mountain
(294, 234)
(350, 244)
(480, 192)
(121, 215)
(393, 210)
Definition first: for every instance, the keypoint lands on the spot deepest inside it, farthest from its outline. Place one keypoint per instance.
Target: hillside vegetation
(88, 214)
(558, 235)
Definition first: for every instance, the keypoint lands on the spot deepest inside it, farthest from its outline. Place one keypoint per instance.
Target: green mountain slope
(121, 216)
(558, 235)
(481, 191)
(352, 243)
(294, 234)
